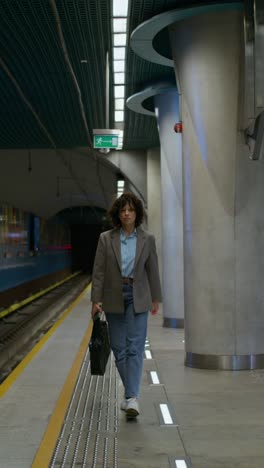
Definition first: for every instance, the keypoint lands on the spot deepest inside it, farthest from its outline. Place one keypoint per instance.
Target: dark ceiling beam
(26, 101)
(69, 65)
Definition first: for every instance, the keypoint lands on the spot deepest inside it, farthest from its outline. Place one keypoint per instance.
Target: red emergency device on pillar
(178, 127)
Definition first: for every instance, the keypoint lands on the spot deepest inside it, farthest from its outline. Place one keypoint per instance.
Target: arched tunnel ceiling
(38, 99)
(46, 181)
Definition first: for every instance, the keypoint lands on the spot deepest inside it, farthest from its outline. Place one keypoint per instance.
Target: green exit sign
(105, 141)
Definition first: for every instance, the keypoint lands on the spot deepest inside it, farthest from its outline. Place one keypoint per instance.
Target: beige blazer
(107, 279)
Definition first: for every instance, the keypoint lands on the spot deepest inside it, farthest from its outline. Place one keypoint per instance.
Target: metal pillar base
(173, 322)
(224, 362)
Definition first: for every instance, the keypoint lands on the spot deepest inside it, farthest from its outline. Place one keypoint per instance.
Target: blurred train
(36, 252)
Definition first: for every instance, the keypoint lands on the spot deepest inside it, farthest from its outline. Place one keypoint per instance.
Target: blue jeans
(128, 333)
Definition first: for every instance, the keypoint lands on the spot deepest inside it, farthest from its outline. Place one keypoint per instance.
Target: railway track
(22, 329)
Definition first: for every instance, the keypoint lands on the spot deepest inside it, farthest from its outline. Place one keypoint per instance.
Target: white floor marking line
(166, 414)
(154, 377)
(148, 354)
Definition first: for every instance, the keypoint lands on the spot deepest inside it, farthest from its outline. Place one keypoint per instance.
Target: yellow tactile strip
(49, 440)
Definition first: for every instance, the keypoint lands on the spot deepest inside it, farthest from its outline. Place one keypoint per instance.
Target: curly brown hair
(130, 199)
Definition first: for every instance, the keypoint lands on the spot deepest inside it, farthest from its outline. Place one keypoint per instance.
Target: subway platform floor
(53, 413)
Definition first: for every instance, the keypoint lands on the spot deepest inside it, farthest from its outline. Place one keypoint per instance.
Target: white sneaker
(132, 408)
(123, 405)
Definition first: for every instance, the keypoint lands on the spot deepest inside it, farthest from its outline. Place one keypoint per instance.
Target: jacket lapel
(115, 240)
(141, 238)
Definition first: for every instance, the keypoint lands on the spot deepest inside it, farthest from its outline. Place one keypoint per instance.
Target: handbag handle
(99, 316)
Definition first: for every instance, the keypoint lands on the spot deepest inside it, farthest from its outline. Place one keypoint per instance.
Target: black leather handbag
(99, 346)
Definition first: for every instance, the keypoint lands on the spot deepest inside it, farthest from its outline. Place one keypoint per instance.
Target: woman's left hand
(155, 308)
(96, 308)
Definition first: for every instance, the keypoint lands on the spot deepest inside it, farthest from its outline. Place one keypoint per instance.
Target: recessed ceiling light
(119, 66)
(119, 91)
(120, 7)
(119, 116)
(119, 25)
(120, 39)
(119, 53)
(119, 104)
(119, 78)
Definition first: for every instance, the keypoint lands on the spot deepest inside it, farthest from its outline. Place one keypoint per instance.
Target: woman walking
(126, 285)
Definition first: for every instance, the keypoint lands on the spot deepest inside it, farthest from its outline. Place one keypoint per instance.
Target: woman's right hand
(96, 308)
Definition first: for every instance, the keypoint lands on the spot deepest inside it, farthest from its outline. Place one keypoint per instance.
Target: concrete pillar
(154, 198)
(223, 199)
(167, 112)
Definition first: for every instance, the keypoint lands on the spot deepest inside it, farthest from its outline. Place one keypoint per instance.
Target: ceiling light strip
(119, 78)
(119, 66)
(119, 103)
(120, 8)
(120, 38)
(119, 25)
(119, 53)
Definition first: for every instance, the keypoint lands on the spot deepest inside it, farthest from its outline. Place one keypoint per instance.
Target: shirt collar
(123, 235)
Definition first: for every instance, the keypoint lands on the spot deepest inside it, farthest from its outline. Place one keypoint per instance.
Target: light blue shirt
(128, 252)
